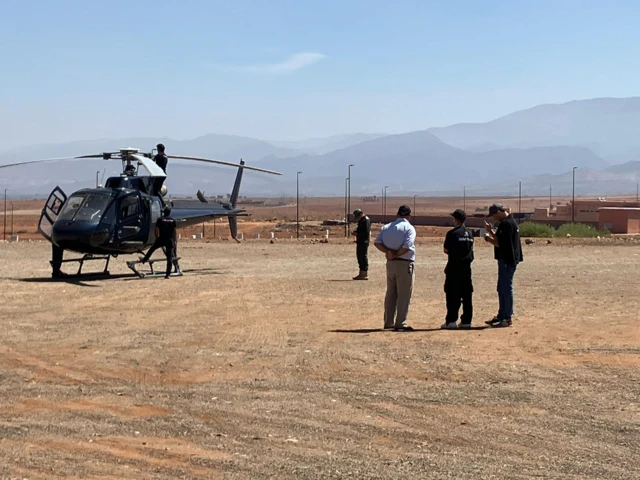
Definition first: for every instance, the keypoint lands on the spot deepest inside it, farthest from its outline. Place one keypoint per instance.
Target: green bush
(529, 229)
(578, 230)
(581, 230)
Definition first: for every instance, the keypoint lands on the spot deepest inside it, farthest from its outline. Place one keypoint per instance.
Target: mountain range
(538, 147)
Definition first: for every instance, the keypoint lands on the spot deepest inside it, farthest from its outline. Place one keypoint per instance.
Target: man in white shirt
(397, 241)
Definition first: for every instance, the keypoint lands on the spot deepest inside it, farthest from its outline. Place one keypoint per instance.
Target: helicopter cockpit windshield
(86, 207)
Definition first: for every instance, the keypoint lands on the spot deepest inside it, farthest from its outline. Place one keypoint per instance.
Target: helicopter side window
(130, 206)
(93, 207)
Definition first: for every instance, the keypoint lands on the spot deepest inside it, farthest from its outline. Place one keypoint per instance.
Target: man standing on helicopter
(161, 158)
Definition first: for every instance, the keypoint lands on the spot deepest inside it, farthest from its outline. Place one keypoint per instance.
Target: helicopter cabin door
(50, 212)
(132, 227)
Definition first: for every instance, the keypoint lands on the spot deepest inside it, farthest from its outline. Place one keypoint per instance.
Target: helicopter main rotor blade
(38, 161)
(105, 156)
(221, 162)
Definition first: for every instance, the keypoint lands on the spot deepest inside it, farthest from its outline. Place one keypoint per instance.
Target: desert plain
(265, 360)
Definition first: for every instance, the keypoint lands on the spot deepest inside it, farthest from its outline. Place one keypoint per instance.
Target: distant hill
(610, 127)
(319, 146)
(418, 161)
(537, 146)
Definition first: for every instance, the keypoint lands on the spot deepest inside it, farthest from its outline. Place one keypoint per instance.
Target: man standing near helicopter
(166, 237)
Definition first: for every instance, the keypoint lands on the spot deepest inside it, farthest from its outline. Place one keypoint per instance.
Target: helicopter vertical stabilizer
(236, 186)
(233, 221)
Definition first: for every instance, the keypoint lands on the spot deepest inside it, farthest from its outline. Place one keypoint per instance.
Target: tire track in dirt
(37, 406)
(163, 455)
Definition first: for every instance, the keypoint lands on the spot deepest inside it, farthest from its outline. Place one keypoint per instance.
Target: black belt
(403, 260)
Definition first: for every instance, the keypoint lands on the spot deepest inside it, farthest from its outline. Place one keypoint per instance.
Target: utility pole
(520, 197)
(382, 199)
(12, 219)
(384, 214)
(4, 229)
(573, 196)
(464, 198)
(550, 203)
(349, 196)
(414, 205)
(298, 204)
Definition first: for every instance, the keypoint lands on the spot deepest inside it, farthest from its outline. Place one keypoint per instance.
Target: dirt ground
(266, 361)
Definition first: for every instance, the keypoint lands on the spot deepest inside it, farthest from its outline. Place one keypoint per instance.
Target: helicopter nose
(77, 234)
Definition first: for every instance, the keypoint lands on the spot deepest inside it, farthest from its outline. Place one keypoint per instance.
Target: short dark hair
(166, 211)
(404, 211)
(160, 147)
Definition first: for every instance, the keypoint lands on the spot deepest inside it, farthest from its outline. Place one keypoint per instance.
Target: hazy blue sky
(300, 68)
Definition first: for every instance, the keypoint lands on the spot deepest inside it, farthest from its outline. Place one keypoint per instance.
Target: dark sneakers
(499, 322)
(503, 324)
(403, 328)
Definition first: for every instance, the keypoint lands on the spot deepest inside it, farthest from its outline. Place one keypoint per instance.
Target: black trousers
(56, 258)
(458, 289)
(169, 250)
(362, 253)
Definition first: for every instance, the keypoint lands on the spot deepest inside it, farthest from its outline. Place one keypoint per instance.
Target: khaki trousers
(400, 276)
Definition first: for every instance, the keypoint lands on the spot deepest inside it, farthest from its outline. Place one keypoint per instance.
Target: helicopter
(119, 218)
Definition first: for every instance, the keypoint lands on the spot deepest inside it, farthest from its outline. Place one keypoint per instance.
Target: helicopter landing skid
(86, 258)
(176, 273)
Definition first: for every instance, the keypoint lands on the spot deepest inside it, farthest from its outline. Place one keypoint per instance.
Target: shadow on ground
(380, 330)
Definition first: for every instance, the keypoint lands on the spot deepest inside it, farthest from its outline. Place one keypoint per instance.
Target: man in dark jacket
(166, 238)
(508, 253)
(458, 287)
(362, 234)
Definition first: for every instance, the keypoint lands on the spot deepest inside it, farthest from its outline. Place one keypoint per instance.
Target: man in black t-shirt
(166, 238)
(458, 287)
(362, 234)
(508, 253)
(161, 158)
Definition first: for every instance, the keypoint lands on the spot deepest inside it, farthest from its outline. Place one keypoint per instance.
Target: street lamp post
(298, 204)
(384, 213)
(346, 213)
(12, 219)
(573, 196)
(349, 195)
(550, 203)
(4, 228)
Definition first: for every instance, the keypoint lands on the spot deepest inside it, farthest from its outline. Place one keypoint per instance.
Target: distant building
(620, 219)
(589, 212)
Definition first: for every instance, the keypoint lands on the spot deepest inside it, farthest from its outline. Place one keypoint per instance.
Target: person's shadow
(380, 330)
